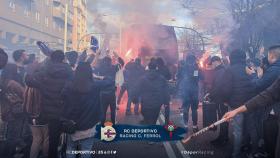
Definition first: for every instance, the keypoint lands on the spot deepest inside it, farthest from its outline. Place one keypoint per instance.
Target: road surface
(196, 148)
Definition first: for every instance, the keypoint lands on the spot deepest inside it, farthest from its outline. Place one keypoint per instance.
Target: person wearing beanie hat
(133, 72)
(221, 108)
(152, 88)
(235, 88)
(190, 74)
(50, 80)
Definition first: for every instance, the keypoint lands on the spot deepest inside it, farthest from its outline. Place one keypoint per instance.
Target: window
(47, 21)
(1, 34)
(26, 12)
(54, 25)
(37, 16)
(59, 28)
(12, 5)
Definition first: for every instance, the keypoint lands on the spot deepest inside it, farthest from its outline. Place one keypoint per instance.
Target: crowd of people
(239, 83)
(71, 93)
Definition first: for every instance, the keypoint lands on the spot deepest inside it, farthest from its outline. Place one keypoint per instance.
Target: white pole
(65, 27)
(120, 39)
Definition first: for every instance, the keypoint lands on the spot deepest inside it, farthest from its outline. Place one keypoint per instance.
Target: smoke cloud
(108, 15)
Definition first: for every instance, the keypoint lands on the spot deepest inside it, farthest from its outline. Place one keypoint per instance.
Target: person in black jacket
(189, 76)
(50, 80)
(165, 72)
(272, 72)
(219, 70)
(153, 91)
(124, 85)
(235, 89)
(108, 97)
(133, 72)
(163, 69)
(82, 105)
(263, 81)
(268, 97)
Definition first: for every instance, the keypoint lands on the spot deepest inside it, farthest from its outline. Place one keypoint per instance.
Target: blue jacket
(270, 75)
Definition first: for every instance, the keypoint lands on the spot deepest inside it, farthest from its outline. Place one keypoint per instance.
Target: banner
(155, 133)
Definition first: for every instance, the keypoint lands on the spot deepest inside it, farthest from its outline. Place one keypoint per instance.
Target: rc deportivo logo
(108, 133)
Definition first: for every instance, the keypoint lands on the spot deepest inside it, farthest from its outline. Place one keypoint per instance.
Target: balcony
(58, 13)
(57, 1)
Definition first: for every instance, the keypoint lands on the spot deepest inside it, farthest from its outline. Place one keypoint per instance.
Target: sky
(121, 12)
(108, 16)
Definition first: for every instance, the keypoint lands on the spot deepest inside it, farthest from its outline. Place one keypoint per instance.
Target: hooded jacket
(165, 72)
(133, 72)
(152, 88)
(236, 86)
(50, 80)
(83, 107)
(189, 77)
(214, 91)
(109, 71)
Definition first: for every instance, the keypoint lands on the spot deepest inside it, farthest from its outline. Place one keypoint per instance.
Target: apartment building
(24, 22)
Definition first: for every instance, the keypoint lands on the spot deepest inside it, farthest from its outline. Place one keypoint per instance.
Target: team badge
(108, 133)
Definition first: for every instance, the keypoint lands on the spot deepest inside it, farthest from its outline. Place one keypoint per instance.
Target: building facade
(79, 25)
(24, 22)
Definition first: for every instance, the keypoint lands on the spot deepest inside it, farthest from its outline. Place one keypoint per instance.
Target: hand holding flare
(203, 130)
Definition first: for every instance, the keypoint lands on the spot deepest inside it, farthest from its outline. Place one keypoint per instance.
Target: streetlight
(120, 29)
(199, 34)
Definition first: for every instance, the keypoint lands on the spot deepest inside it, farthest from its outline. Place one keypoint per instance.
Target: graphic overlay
(155, 133)
(108, 133)
(170, 127)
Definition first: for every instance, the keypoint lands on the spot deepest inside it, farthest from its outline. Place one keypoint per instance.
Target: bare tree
(245, 13)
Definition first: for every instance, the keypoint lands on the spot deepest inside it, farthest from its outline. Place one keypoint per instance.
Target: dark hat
(237, 56)
(57, 56)
(213, 59)
(152, 64)
(72, 57)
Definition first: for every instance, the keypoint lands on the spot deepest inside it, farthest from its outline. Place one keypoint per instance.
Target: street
(199, 147)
